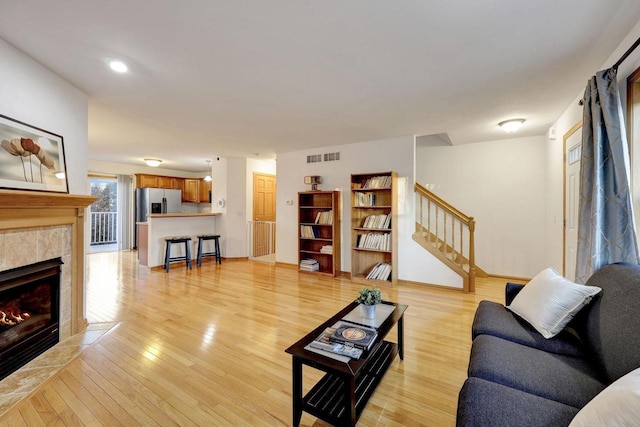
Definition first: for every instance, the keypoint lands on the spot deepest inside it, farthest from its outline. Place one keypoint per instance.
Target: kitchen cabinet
(204, 189)
(165, 182)
(146, 181)
(190, 191)
(177, 183)
(194, 190)
(159, 181)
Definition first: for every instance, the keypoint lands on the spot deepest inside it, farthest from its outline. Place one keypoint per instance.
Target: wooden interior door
(264, 212)
(572, 142)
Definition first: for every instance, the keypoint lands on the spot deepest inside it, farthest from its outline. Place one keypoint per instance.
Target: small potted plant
(369, 297)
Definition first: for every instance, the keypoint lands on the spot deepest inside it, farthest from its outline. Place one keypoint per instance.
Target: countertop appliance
(156, 200)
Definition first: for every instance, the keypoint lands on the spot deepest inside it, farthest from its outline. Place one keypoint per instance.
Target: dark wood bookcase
(318, 227)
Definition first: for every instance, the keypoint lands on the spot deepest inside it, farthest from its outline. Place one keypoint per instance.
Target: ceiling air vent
(314, 158)
(332, 157)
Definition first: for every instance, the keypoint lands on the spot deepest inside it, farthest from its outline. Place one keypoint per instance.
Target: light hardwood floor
(206, 347)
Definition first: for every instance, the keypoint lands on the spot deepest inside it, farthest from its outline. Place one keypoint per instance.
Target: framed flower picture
(31, 158)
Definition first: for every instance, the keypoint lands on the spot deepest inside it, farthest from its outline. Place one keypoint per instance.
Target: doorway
(262, 230)
(572, 146)
(104, 214)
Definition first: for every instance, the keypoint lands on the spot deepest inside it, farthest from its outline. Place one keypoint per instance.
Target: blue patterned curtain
(606, 229)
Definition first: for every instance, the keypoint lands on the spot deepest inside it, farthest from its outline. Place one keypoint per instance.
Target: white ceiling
(239, 77)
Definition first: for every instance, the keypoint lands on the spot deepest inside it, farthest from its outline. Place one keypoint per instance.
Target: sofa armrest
(510, 292)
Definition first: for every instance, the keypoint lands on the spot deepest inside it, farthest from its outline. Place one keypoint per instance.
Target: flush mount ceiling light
(511, 125)
(118, 66)
(154, 163)
(208, 177)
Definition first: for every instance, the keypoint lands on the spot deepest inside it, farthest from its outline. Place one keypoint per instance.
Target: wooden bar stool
(216, 253)
(187, 250)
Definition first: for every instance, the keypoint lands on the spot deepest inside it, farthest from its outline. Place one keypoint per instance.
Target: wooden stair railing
(448, 234)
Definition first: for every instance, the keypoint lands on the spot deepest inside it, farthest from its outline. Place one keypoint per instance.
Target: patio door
(104, 214)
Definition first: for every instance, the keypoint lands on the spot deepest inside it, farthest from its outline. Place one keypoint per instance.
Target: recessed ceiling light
(511, 125)
(118, 66)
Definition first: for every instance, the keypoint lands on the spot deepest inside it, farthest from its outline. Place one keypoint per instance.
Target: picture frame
(31, 158)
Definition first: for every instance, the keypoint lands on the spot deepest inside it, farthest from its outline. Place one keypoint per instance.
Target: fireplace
(29, 313)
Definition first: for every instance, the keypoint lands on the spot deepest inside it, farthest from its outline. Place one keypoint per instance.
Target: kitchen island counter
(182, 215)
(160, 226)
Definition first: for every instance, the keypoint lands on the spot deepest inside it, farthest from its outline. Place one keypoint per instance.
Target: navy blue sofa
(517, 377)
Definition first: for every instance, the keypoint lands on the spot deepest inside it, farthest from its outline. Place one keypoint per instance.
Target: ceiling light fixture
(511, 125)
(208, 176)
(154, 163)
(118, 66)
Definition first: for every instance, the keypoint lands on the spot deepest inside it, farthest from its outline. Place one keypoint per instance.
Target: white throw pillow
(549, 301)
(616, 406)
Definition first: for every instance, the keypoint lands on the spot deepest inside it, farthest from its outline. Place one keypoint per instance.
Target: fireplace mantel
(29, 209)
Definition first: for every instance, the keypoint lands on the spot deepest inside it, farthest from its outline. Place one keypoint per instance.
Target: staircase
(447, 233)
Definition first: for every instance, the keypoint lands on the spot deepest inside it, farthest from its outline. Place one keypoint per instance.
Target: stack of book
(309, 264)
(325, 217)
(326, 249)
(346, 338)
(381, 271)
(377, 221)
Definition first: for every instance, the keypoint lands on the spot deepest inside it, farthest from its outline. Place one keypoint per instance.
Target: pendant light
(208, 178)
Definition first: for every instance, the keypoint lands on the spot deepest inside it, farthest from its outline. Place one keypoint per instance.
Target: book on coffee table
(354, 335)
(326, 343)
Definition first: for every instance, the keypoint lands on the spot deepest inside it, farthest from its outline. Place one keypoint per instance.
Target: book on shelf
(356, 335)
(377, 241)
(377, 221)
(326, 249)
(307, 232)
(365, 199)
(325, 217)
(324, 342)
(380, 271)
(378, 182)
(309, 264)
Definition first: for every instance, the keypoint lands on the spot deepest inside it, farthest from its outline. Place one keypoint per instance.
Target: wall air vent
(314, 158)
(331, 157)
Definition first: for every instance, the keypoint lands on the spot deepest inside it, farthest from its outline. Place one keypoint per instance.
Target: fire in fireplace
(29, 313)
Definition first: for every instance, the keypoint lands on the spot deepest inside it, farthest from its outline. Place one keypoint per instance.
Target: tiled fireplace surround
(30, 245)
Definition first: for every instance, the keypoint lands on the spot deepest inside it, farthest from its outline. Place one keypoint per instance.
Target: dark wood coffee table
(341, 395)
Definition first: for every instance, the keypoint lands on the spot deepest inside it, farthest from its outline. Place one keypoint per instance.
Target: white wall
(393, 154)
(34, 95)
(233, 182)
(502, 185)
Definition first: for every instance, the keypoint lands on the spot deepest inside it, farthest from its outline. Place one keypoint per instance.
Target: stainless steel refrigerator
(156, 200)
